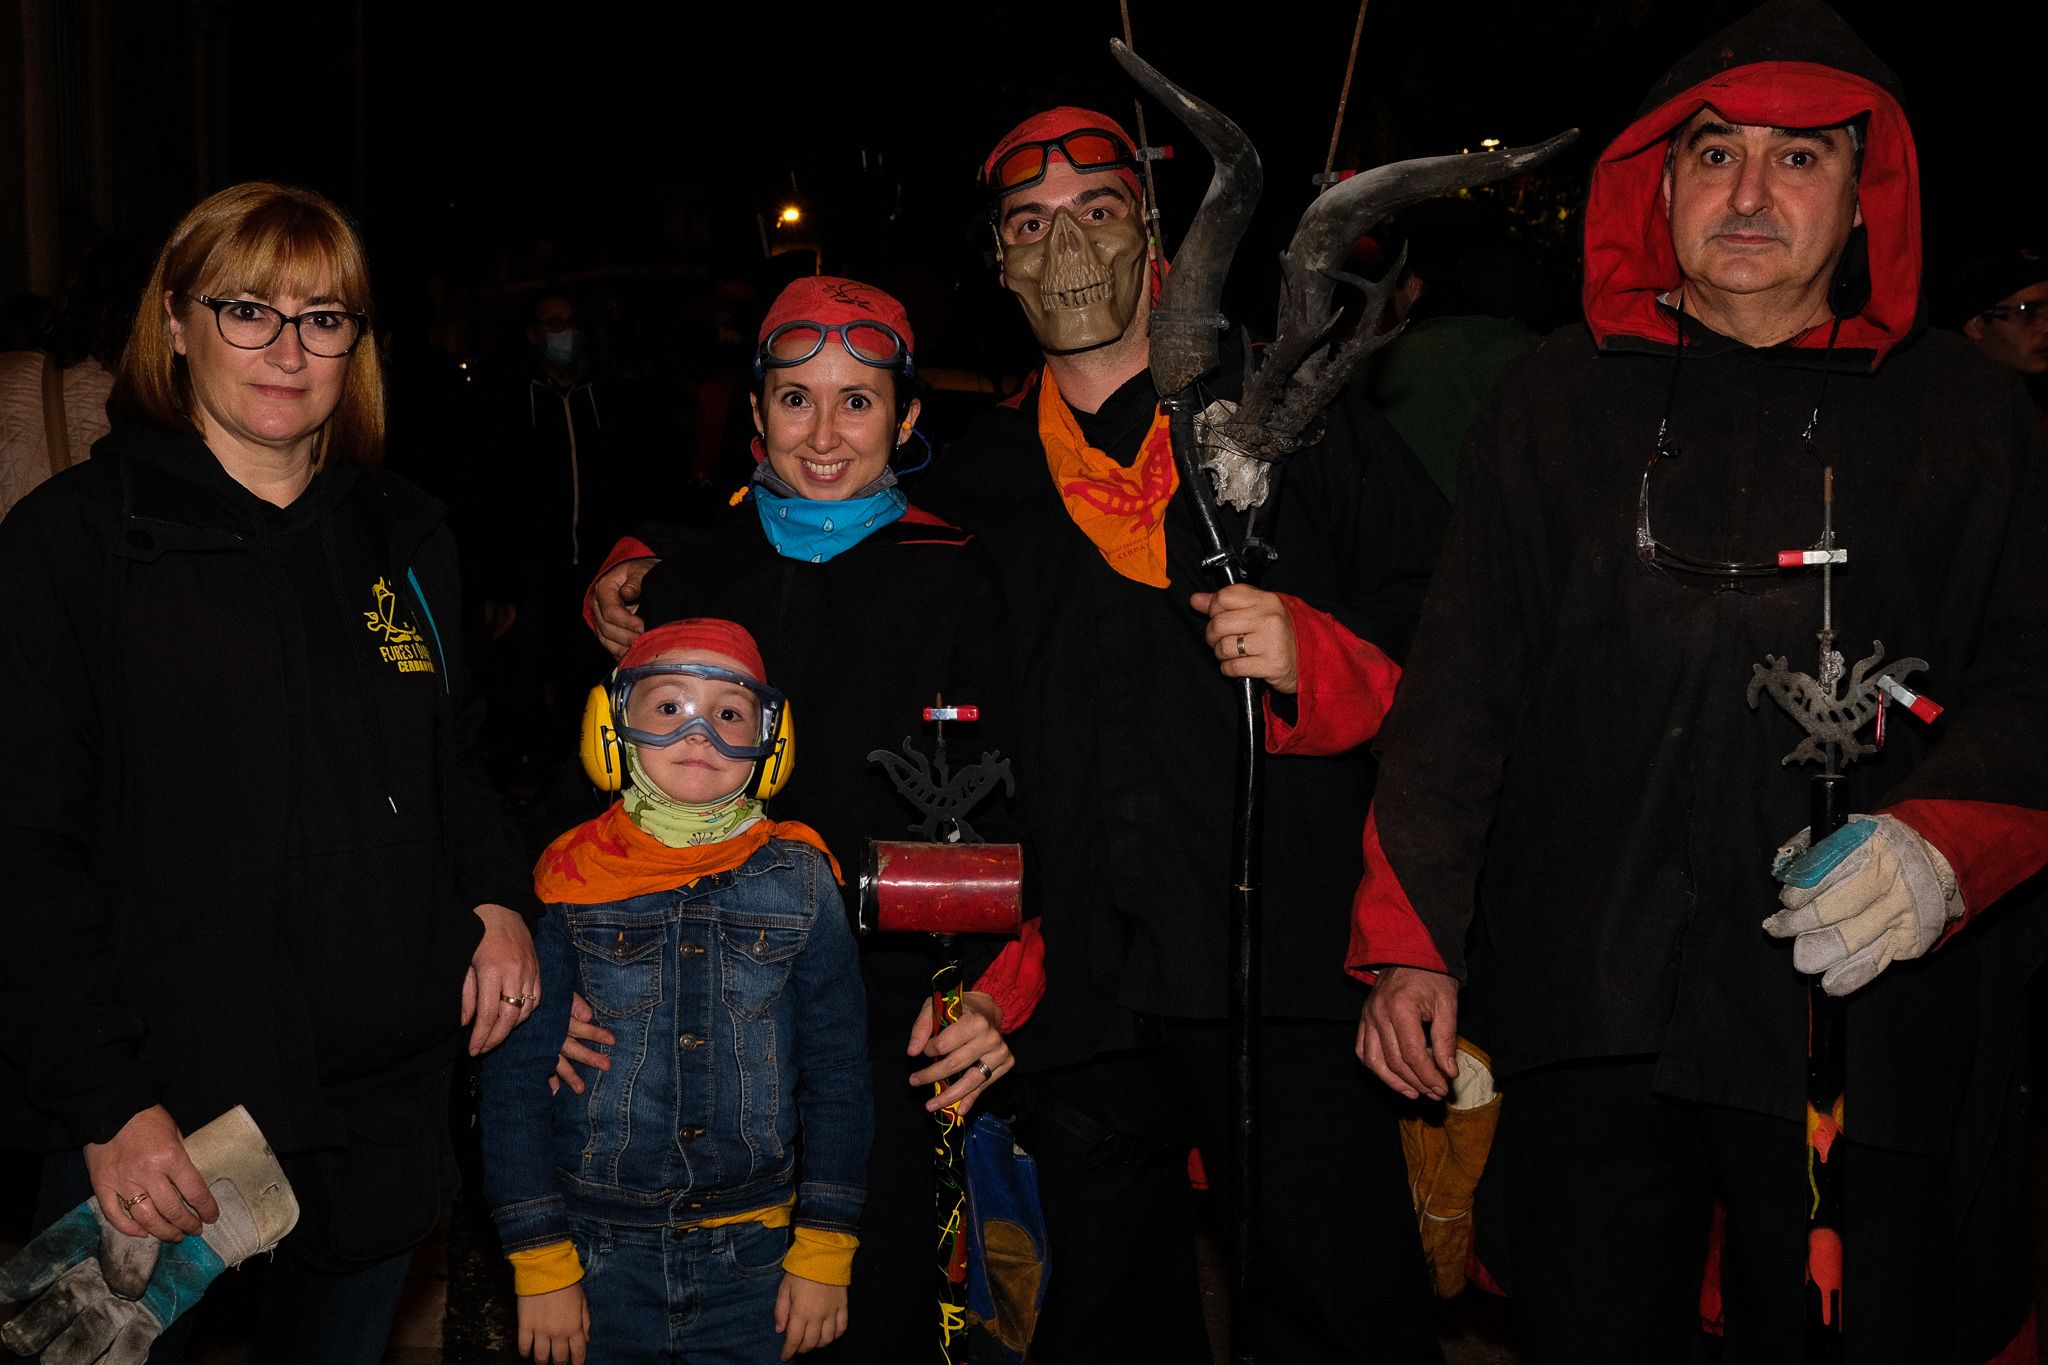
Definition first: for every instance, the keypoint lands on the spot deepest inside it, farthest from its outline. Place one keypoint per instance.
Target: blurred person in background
(2000, 303)
(53, 400)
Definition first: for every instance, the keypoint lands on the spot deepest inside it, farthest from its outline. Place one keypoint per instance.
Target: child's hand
(583, 1031)
(554, 1327)
(808, 1314)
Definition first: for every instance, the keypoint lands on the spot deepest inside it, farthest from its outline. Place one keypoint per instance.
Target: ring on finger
(1241, 650)
(987, 1072)
(515, 1001)
(127, 1203)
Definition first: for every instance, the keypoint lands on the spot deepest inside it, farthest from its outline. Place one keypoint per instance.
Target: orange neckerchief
(611, 859)
(1122, 510)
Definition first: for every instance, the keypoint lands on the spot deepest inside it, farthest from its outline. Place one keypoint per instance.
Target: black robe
(1127, 750)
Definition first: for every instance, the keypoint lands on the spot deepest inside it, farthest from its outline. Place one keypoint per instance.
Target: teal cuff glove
(82, 1292)
(1886, 901)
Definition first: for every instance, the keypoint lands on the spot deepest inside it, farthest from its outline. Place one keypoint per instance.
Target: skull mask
(1079, 284)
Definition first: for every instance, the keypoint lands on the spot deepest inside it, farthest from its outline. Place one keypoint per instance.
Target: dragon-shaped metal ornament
(1830, 714)
(934, 788)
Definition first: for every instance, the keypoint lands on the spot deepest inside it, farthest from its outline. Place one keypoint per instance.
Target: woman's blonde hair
(271, 241)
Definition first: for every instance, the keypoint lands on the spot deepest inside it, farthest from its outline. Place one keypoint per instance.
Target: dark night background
(628, 150)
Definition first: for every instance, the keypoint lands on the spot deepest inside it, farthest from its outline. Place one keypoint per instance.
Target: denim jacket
(741, 1059)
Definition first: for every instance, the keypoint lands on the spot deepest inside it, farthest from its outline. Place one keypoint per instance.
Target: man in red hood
(1572, 841)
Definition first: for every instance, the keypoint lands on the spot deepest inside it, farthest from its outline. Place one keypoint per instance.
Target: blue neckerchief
(801, 528)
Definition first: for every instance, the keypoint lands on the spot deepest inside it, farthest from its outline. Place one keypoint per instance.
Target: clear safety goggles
(870, 342)
(661, 704)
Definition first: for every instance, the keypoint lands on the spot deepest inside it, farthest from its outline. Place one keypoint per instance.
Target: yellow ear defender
(604, 756)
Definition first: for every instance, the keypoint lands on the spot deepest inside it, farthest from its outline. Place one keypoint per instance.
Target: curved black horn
(1185, 324)
(1332, 224)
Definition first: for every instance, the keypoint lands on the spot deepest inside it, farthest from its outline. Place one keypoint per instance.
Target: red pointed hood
(1630, 260)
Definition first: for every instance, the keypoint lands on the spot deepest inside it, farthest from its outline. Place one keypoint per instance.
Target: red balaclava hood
(1630, 260)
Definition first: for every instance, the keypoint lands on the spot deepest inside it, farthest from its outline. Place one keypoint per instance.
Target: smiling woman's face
(275, 399)
(830, 423)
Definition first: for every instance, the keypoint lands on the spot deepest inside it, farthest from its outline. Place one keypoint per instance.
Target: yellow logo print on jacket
(404, 648)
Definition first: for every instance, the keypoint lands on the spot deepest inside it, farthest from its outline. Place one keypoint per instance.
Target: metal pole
(1343, 97)
(1153, 231)
(1246, 1288)
(1827, 1028)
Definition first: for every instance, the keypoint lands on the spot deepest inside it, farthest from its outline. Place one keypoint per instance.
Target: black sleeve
(1368, 500)
(65, 1017)
(483, 847)
(1444, 745)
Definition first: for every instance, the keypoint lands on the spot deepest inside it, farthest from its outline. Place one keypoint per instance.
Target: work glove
(1446, 1154)
(1870, 894)
(83, 1292)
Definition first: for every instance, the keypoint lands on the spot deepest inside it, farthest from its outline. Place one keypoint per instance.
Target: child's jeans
(695, 1296)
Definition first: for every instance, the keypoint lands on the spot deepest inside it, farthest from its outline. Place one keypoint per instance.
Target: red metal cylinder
(925, 888)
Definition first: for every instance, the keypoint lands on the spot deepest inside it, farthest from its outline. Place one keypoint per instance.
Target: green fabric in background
(1431, 379)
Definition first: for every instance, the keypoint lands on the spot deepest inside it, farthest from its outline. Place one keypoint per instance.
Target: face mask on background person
(564, 347)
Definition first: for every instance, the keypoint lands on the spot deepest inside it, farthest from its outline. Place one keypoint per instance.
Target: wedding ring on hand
(127, 1204)
(987, 1071)
(1241, 650)
(515, 1001)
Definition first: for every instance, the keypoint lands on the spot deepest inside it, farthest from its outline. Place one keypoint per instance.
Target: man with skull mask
(1126, 747)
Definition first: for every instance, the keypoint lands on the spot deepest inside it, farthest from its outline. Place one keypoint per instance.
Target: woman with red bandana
(867, 607)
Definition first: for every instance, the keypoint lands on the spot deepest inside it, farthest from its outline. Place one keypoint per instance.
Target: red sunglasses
(1086, 149)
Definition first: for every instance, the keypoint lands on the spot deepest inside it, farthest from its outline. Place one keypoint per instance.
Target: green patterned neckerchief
(681, 824)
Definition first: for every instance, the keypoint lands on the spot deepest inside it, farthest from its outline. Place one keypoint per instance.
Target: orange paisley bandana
(611, 859)
(1122, 510)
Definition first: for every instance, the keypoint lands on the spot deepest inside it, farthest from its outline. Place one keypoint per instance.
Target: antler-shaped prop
(1299, 374)
(1187, 318)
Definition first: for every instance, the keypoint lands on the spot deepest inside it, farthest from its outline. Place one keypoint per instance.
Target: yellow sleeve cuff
(542, 1270)
(821, 1256)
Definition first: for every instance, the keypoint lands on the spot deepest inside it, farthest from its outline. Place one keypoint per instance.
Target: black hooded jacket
(1571, 757)
(243, 821)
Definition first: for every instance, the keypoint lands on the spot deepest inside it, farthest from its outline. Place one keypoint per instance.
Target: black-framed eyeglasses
(250, 326)
(2033, 311)
(871, 343)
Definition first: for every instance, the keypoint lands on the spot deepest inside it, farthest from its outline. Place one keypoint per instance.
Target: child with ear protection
(663, 1213)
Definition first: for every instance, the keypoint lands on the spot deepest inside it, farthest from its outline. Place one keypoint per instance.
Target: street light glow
(791, 214)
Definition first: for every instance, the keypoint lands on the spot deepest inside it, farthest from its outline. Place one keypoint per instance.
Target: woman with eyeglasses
(868, 609)
(251, 857)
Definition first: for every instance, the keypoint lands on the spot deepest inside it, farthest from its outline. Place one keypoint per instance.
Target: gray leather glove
(1886, 901)
(82, 1292)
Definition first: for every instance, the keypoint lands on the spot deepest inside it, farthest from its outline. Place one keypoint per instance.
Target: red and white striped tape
(1924, 707)
(1800, 559)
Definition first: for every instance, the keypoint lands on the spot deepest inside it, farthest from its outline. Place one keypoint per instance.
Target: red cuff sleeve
(629, 547)
(1344, 687)
(1385, 930)
(1016, 979)
(1992, 847)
